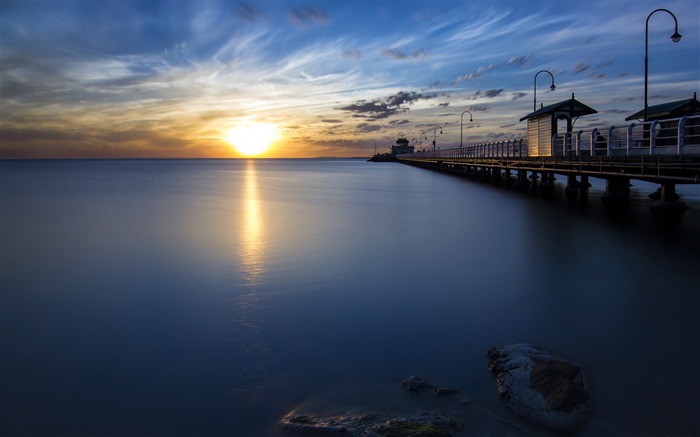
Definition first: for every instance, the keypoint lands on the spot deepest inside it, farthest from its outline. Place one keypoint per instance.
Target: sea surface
(212, 297)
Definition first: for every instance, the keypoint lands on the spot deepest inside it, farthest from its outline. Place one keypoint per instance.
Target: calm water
(212, 297)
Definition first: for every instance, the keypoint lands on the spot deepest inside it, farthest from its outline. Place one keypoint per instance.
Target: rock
(421, 424)
(446, 391)
(545, 389)
(416, 383)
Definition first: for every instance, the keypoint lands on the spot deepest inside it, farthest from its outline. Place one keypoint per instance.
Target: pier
(664, 152)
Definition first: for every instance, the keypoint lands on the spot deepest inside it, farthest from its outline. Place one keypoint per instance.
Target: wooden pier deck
(662, 169)
(665, 152)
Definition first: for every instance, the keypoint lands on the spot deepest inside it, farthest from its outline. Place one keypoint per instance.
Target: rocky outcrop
(423, 424)
(545, 389)
(415, 384)
(414, 409)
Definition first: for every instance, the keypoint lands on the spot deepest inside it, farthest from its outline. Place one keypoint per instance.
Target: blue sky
(151, 78)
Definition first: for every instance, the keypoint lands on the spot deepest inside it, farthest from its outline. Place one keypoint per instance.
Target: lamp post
(421, 136)
(551, 87)
(435, 135)
(675, 38)
(461, 122)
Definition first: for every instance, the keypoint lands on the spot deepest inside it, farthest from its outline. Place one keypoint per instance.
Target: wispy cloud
(170, 77)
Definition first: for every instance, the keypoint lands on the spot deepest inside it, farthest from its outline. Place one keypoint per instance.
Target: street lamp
(552, 87)
(421, 136)
(675, 38)
(435, 135)
(461, 122)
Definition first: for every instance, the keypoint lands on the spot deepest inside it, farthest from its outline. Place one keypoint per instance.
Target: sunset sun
(252, 139)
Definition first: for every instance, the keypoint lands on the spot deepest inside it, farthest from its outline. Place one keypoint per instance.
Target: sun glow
(252, 139)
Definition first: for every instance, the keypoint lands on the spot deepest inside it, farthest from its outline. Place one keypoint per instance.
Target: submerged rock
(447, 391)
(415, 383)
(379, 410)
(545, 389)
(423, 424)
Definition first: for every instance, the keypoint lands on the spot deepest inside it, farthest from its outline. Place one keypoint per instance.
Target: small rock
(416, 383)
(545, 389)
(446, 391)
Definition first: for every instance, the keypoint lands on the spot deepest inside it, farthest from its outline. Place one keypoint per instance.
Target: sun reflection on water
(252, 244)
(251, 382)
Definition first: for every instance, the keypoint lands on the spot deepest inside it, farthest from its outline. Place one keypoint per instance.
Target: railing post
(652, 137)
(578, 143)
(681, 134)
(629, 137)
(592, 141)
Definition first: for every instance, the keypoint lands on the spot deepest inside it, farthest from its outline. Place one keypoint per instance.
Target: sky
(172, 79)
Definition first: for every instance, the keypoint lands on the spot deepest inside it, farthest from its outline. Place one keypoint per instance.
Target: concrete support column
(617, 191)
(522, 180)
(666, 200)
(547, 183)
(583, 186)
(534, 184)
(572, 186)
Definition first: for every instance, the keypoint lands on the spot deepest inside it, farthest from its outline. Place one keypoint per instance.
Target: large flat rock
(540, 387)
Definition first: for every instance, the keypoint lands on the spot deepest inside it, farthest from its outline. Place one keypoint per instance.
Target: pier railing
(676, 136)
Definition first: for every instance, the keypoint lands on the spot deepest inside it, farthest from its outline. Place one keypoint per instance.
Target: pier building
(402, 147)
(543, 124)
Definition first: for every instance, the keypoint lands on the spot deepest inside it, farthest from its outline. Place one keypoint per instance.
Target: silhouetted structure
(402, 147)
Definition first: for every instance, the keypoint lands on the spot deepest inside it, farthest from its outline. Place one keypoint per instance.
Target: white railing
(511, 148)
(676, 136)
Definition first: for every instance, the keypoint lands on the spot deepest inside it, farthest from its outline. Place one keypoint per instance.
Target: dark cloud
(366, 127)
(249, 13)
(400, 55)
(329, 120)
(580, 68)
(479, 108)
(378, 109)
(398, 122)
(518, 95)
(488, 94)
(308, 15)
(444, 105)
(475, 75)
(519, 60)
(468, 76)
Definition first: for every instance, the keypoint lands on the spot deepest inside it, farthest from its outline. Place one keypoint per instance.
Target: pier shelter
(667, 118)
(676, 109)
(543, 124)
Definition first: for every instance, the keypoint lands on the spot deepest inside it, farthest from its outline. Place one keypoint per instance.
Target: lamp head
(676, 36)
(553, 87)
